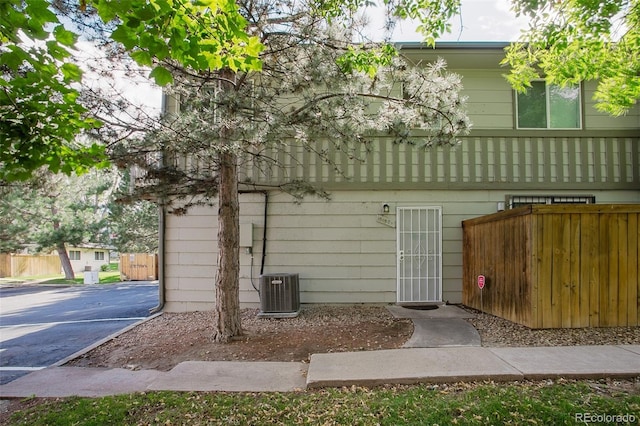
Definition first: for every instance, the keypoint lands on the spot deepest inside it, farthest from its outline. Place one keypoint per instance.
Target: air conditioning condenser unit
(279, 296)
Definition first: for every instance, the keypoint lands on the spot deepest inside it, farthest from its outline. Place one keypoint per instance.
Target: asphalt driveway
(41, 325)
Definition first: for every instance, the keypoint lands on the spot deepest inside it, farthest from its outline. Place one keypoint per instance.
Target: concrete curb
(102, 341)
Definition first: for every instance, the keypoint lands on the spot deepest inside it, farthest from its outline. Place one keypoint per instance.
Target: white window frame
(99, 255)
(548, 110)
(73, 253)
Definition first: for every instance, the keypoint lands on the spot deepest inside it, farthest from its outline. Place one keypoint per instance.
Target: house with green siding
(391, 231)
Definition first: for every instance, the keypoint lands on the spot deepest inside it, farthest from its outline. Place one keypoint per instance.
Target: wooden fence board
(612, 262)
(24, 265)
(546, 272)
(5, 265)
(575, 317)
(533, 269)
(28, 265)
(556, 266)
(591, 232)
(603, 264)
(138, 266)
(633, 271)
(563, 315)
(623, 247)
(585, 278)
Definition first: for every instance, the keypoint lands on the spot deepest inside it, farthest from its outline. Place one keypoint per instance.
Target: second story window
(547, 106)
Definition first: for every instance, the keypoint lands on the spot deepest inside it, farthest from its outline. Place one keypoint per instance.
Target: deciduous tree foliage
(570, 41)
(40, 115)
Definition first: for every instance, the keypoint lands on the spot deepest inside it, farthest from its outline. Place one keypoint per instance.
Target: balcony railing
(507, 161)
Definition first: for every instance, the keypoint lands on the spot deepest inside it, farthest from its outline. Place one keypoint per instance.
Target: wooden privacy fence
(5, 265)
(24, 265)
(138, 266)
(556, 266)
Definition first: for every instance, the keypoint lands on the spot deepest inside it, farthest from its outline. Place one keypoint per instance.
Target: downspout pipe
(161, 258)
(162, 215)
(264, 232)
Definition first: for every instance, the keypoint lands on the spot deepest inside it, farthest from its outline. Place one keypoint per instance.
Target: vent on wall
(279, 296)
(514, 201)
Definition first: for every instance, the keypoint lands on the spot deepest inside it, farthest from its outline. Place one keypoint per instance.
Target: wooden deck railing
(537, 162)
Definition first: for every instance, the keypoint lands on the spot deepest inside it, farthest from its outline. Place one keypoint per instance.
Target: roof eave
(454, 45)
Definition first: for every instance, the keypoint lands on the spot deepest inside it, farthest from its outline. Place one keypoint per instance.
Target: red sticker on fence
(481, 281)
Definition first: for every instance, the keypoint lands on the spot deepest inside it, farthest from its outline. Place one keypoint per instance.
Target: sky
(480, 20)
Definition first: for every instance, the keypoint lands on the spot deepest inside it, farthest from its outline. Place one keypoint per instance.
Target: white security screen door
(419, 254)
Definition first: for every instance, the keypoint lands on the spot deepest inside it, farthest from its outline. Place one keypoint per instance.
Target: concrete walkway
(443, 348)
(397, 366)
(442, 327)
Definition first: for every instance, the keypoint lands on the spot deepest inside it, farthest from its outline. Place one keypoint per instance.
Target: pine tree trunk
(227, 309)
(65, 261)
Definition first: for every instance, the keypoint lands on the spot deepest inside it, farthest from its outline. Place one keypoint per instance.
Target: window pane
(564, 103)
(532, 107)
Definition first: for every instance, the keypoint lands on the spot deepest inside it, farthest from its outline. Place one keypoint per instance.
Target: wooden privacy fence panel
(5, 265)
(138, 266)
(25, 265)
(556, 266)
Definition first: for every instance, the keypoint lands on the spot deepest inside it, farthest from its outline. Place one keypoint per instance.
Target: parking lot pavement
(40, 326)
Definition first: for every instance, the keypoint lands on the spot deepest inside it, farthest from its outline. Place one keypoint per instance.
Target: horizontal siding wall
(490, 103)
(342, 253)
(190, 260)
(490, 99)
(596, 120)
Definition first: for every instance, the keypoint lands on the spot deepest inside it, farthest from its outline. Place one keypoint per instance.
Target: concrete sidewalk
(408, 365)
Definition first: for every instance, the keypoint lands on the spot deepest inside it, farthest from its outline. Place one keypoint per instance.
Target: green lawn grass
(107, 277)
(542, 403)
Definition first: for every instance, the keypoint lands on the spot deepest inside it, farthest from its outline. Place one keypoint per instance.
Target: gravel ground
(499, 332)
(165, 341)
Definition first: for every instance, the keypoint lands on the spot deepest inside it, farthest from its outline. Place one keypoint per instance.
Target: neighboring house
(89, 257)
(392, 233)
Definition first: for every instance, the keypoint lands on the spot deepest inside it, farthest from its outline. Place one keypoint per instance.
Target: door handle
(401, 255)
